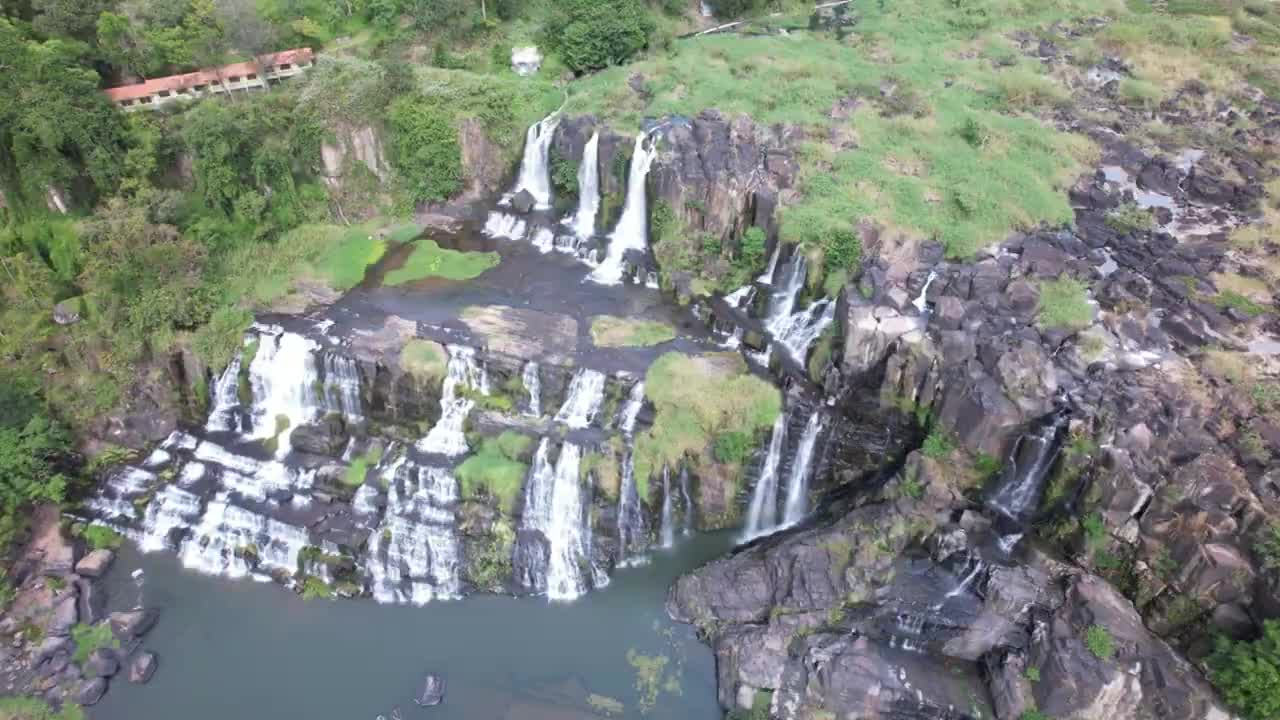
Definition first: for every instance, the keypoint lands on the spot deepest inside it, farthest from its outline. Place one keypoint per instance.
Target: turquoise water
(244, 650)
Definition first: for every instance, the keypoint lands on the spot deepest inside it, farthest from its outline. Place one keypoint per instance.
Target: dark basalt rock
(142, 667)
(327, 436)
(523, 201)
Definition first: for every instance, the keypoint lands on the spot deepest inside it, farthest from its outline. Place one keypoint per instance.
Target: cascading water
(551, 549)
(1019, 486)
(797, 332)
(171, 510)
(544, 240)
(283, 376)
(767, 275)
(632, 533)
(414, 555)
(229, 536)
(783, 300)
(584, 219)
(631, 409)
(502, 225)
(921, 302)
(632, 231)
(226, 400)
(586, 395)
(532, 385)
(534, 174)
(668, 523)
(801, 468)
(342, 386)
(464, 371)
(762, 514)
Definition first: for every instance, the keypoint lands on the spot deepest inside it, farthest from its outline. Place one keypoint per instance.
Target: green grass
(937, 445)
(428, 259)
(914, 167)
(496, 470)
(21, 708)
(697, 399)
(88, 638)
(334, 255)
(1064, 303)
(612, 331)
(354, 476)
(1098, 640)
(424, 359)
(313, 588)
(101, 537)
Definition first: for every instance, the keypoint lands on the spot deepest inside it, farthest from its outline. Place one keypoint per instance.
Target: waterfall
(920, 302)
(534, 174)
(284, 379)
(342, 386)
(1018, 489)
(586, 395)
(631, 410)
(550, 553)
(225, 399)
(739, 297)
(227, 535)
(688, 500)
(798, 484)
(172, 509)
(632, 533)
(502, 225)
(533, 385)
(973, 569)
(668, 524)
(414, 555)
(544, 240)
(762, 515)
(447, 437)
(632, 231)
(584, 220)
(783, 300)
(797, 332)
(767, 275)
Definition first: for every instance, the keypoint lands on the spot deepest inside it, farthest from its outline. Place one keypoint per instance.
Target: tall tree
(69, 18)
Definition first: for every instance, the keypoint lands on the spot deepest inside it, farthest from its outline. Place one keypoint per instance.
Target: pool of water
(246, 650)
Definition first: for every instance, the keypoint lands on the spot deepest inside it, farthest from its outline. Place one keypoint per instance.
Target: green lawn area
(613, 331)
(695, 400)
(496, 470)
(428, 259)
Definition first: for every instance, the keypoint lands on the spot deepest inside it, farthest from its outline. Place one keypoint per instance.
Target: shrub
(425, 148)
(101, 537)
(733, 447)
(937, 445)
(1267, 547)
(88, 638)
(594, 34)
(1140, 92)
(1248, 673)
(1098, 640)
(1032, 674)
(1129, 218)
(1064, 303)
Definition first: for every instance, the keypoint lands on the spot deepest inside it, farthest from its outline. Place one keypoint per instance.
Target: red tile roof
(296, 56)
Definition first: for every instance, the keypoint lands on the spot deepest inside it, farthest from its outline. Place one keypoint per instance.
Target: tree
(593, 34)
(123, 43)
(425, 148)
(1248, 673)
(68, 18)
(33, 452)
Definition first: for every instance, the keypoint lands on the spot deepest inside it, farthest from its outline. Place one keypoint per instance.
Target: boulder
(89, 691)
(142, 667)
(327, 436)
(65, 615)
(432, 691)
(67, 312)
(130, 624)
(95, 564)
(524, 201)
(102, 663)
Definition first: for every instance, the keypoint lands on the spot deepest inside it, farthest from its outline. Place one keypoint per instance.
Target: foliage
(1064, 303)
(425, 148)
(101, 537)
(1033, 714)
(612, 331)
(313, 588)
(428, 259)
(359, 468)
(34, 452)
(1032, 673)
(697, 399)
(21, 708)
(88, 638)
(1098, 640)
(937, 444)
(734, 447)
(1232, 300)
(496, 470)
(593, 34)
(1247, 673)
(491, 565)
(1267, 546)
(1129, 218)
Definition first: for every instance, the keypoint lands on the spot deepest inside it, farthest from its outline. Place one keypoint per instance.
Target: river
(240, 649)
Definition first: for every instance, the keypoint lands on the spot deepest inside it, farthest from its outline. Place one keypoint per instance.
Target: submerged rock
(133, 623)
(142, 667)
(432, 691)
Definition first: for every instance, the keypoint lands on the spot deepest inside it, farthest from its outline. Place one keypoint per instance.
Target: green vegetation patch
(1064, 303)
(1098, 640)
(424, 359)
(354, 476)
(88, 638)
(697, 399)
(21, 708)
(613, 331)
(1248, 673)
(101, 537)
(428, 259)
(496, 470)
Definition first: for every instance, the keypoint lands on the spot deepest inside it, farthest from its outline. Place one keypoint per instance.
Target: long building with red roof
(243, 76)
